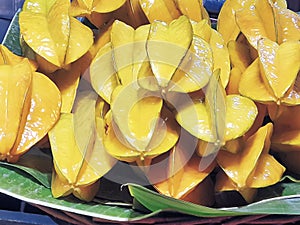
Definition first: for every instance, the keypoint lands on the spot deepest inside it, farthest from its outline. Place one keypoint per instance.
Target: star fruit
(273, 75)
(224, 183)
(79, 134)
(267, 19)
(128, 50)
(178, 174)
(227, 25)
(56, 38)
(254, 18)
(257, 21)
(132, 134)
(219, 118)
(182, 64)
(137, 128)
(67, 80)
(253, 166)
(27, 111)
(125, 60)
(220, 53)
(166, 47)
(118, 61)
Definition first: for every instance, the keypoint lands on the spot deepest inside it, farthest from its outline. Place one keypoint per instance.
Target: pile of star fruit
(155, 87)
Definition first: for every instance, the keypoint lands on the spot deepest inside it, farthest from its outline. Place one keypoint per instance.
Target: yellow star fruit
(163, 137)
(224, 183)
(166, 47)
(27, 111)
(56, 37)
(257, 22)
(180, 175)
(219, 118)
(128, 50)
(195, 69)
(252, 167)
(77, 134)
(227, 25)
(273, 75)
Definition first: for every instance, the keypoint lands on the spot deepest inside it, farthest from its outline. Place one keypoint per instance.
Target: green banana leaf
(43, 178)
(288, 204)
(23, 187)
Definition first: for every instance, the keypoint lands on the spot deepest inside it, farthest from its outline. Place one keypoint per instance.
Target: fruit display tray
(16, 209)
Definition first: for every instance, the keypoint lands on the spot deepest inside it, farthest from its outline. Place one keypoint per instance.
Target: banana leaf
(287, 204)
